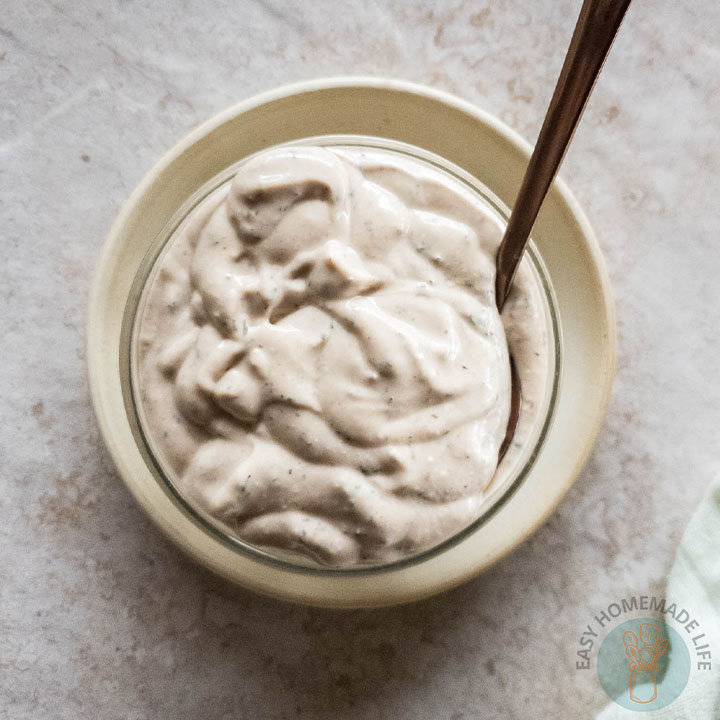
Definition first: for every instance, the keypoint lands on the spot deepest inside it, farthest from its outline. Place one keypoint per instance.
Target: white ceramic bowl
(480, 145)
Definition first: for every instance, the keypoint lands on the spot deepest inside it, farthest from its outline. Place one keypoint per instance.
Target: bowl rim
(95, 348)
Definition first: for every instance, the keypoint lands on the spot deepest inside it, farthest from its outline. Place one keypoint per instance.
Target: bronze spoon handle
(594, 33)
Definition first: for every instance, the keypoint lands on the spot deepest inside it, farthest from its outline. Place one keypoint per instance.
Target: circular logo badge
(643, 664)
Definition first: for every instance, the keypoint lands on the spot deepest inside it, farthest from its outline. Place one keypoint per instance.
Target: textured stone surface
(100, 616)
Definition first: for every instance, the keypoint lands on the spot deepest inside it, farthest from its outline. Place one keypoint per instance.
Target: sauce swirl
(321, 361)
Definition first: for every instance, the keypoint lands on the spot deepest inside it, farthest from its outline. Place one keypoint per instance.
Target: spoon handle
(594, 33)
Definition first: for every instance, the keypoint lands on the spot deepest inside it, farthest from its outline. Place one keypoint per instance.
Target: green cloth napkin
(694, 583)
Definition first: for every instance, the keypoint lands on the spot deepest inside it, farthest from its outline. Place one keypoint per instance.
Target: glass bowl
(512, 471)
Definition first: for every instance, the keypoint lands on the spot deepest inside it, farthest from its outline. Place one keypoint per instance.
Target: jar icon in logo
(643, 655)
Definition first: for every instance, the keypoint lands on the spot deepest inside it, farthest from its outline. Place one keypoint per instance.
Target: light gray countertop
(101, 616)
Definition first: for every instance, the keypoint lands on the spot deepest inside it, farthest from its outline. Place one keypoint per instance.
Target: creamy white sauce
(321, 363)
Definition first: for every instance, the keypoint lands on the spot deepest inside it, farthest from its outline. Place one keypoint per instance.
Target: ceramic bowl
(434, 122)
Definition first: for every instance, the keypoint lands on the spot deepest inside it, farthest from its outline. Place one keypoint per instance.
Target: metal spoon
(596, 28)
